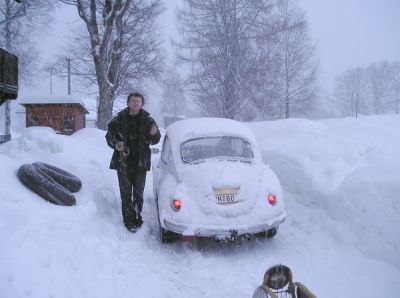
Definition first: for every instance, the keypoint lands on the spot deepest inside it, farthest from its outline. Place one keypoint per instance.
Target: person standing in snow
(130, 133)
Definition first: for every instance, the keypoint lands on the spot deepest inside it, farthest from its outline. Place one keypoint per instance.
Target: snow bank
(341, 185)
(349, 168)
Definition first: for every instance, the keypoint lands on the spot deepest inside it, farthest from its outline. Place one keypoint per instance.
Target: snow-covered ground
(341, 179)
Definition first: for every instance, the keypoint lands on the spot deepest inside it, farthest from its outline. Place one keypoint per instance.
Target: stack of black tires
(51, 183)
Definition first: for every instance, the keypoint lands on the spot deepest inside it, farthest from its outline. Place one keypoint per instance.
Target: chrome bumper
(222, 232)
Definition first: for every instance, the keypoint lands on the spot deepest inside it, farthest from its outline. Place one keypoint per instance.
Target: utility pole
(51, 81)
(69, 76)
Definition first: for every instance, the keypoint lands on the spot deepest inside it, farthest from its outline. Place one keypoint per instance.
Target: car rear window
(216, 147)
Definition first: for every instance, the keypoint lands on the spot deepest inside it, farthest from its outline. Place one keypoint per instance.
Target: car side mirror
(155, 151)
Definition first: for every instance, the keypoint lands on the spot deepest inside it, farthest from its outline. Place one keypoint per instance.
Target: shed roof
(53, 99)
(90, 105)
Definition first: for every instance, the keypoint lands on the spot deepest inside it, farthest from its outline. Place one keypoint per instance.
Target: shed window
(68, 123)
(34, 121)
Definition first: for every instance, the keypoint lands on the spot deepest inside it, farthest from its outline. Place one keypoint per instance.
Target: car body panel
(200, 185)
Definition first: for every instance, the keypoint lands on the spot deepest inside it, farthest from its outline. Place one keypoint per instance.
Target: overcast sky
(347, 33)
(352, 33)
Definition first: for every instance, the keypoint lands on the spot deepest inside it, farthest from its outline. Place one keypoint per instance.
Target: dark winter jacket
(118, 131)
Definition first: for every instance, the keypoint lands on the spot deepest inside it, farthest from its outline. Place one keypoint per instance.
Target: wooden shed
(65, 114)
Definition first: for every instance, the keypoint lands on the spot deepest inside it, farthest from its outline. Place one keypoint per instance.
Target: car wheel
(168, 236)
(271, 232)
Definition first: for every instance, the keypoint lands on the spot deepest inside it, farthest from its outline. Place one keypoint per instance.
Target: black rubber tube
(45, 186)
(66, 179)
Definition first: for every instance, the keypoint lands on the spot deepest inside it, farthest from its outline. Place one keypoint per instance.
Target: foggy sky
(347, 33)
(351, 33)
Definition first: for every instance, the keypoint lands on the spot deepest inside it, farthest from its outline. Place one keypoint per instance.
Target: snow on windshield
(214, 147)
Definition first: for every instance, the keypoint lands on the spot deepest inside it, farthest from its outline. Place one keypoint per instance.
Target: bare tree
(296, 86)
(18, 18)
(348, 92)
(373, 89)
(123, 47)
(248, 57)
(378, 83)
(268, 55)
(264, 92)
(217, 43)
(173, 100)
(395, 74)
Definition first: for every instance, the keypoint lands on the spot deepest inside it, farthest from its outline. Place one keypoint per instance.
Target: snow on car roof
(183, 130)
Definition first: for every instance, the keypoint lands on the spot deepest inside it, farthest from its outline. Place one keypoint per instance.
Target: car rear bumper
(221, 232)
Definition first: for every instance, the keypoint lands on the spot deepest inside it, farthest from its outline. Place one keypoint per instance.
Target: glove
(119, 146)
(153, 130)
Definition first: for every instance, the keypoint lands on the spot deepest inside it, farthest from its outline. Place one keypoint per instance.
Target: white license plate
(225, 199)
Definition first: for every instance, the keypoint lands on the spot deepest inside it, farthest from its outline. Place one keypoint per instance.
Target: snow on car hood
(202, 180)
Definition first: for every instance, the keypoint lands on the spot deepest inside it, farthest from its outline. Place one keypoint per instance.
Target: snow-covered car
(210, 181)
(156, 149)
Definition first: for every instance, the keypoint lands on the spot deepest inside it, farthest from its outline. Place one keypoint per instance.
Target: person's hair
(135, 94)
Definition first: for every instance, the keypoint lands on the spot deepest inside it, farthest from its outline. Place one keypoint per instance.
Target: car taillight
(272, 199)
(176, 204)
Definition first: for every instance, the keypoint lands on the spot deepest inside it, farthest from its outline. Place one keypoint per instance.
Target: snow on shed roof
(182, 130)
(90, 105)
(52, 99)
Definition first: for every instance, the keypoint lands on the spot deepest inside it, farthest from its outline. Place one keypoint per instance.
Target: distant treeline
(374, 89)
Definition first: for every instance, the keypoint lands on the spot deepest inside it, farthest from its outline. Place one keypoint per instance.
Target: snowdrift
(342, 191)
(349, 168)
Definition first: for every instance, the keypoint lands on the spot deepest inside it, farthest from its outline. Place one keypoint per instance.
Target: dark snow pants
(131, 187)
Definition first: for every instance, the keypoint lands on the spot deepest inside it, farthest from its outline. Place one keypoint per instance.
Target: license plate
(225, 199)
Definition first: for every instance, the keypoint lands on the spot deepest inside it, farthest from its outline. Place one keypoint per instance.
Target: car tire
(271, 232)
(165, 236)
(168, 236)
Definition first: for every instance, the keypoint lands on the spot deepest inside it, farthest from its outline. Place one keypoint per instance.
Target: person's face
(135, 103)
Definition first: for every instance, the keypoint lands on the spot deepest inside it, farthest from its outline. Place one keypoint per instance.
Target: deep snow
(342, 189)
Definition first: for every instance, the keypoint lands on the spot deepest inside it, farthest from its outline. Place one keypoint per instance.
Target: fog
(346, 34)
(352, 33)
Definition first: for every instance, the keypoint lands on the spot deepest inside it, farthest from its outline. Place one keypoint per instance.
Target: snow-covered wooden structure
(8, 90)
(65, 114)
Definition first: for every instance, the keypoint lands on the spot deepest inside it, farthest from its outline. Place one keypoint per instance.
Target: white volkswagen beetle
(210, 181)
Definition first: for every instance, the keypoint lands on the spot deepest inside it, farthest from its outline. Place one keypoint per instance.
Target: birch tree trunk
(105, 33)
(298, 72)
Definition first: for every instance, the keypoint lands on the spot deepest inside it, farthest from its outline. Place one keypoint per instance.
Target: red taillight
(176, 204)
(272, 199)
